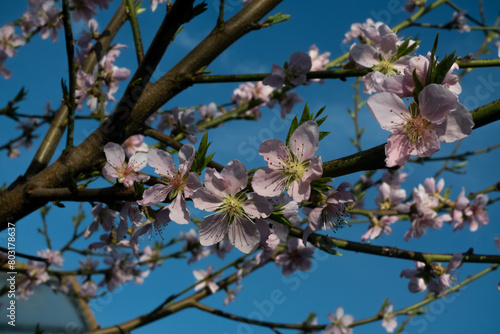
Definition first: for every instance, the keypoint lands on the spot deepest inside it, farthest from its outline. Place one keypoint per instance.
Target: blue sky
(357, 282)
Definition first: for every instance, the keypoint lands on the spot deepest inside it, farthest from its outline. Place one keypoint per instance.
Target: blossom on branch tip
(104, 217)
(389, 319)
(116, 167)
(291, 167)
(473, 214)
(297, 257)
(418, 129)
(294, 72)
(339, 323)
(379, 225)
(181, 121)
(433, 275)
(234, 210)
(208, 279)
(330, 211)
(9, 41)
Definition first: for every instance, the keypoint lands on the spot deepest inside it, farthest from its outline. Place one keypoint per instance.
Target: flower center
(232, 206)
(385, 67)
(415, 128)
(293, 168)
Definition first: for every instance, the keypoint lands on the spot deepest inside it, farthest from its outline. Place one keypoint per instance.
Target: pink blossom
(36, 275)
(420, 66)
(122, 270)
(291, 167)
(438, 117)
(54, 257)
(250, 92)
(389, 319)
(437, 278)
(209, 112)
(297, 257)
(88, 265)
(151, 225)
(288, 102)
(135, 144)
(9, 41)
(104, 217)
(192, 244)
(319, 61)
(340, 323)
(377, 226)
(154, 4)
(182, 121)
(416, 284)
(177, 184)
(389, 197)
(116, 167)
(329, 214)
(85, 41)
(388, 70)
(231, 294)
(83, 9)
(208, 279)
(361, 30)
(88, 289)
(461, 21)
(299, 64)
(497, 44)
(151, 256)
(234, 210)
(49, 18)
(473, 214)
(422, 213)
(3, 71)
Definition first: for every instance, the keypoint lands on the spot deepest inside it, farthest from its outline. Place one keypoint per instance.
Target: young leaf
(293, 127)
(443, 67)
(280, 17)
(306, 115)
(323, 134)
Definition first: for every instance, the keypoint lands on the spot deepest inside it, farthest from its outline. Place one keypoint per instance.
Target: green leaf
(323, 134)
(319, 113)
(177, 32)
(293, 127)
(200, 159)
(279, 218)
(432, 62)
(443, 67)
(306, 115)
(320, 121)
(280, 17)
(138, 189)
(418, 85)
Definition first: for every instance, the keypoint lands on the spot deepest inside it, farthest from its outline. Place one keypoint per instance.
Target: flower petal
(268, 182)
(213, 229)
(179, 212)
(203, 199)
(162, 162)
(115, 155)
(243, 234)
(257, 206)
(236, 177)
(186, 157)
(304, 140)
(389, 110)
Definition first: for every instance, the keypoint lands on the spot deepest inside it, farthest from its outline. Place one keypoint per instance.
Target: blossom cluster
(435, 115)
